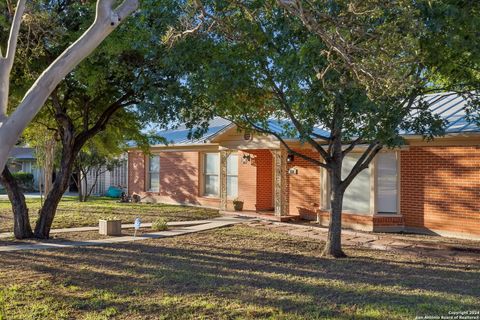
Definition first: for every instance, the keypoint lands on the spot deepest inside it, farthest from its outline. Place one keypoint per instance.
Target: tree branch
(106, 20)
(363, 162)
(352, 145)
(6, 62)
(286, 107)
(13, 37)
(103, 119)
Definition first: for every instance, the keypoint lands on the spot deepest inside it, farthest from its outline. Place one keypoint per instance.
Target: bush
(160, 224)
(24, 180)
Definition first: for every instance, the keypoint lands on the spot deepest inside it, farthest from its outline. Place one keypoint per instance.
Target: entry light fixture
(290, 158)
(246, 158)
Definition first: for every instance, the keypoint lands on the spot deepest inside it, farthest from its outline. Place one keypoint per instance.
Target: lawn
(72, 213)
(233, 273)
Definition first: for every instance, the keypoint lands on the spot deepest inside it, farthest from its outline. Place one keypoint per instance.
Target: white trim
(373, 168)
(392, 214)
(219, 132)
(235, 153)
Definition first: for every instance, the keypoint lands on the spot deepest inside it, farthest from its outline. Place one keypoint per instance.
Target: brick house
(426, 187)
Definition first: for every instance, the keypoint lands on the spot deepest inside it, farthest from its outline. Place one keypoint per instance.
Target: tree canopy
(125, 86)
(338, 75)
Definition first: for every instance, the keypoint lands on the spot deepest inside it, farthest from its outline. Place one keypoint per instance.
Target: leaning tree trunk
(60, 185)
(21, 222)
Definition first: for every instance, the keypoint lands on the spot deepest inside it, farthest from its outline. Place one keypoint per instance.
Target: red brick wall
(247, 183)
(349, 220)
(179, 179)
(136, 172)
(440, 188)
(304, 187)
(255, 180)
(179, 176)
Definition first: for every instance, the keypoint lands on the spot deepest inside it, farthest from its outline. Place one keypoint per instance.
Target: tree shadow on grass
(279, 274)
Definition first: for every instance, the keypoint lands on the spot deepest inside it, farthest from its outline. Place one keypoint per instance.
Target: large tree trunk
(21, 222)
(333, 247)
(70, 150)
(60, 185)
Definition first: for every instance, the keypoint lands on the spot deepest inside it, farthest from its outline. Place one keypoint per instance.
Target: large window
(357, 196)
(387, 182)
(27, 167)
(232, 176)
(154, 173)
(211, 174)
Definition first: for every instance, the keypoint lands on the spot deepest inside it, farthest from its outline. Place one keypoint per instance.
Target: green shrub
(24, 180)
(160, 224)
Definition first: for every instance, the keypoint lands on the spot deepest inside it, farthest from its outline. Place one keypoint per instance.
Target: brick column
(223, 179)
(280, 182)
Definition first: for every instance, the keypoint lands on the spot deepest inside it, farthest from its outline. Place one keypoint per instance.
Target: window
(357, 195)
(211, 173)
(232, 176)
(387, 182)
(27, 167)
(154, 173)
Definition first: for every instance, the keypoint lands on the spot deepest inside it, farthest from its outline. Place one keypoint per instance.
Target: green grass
(232, 273)
(72, 213)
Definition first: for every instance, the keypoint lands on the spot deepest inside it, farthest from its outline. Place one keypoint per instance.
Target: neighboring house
(116, 178)
(22, 159)
(427, 187)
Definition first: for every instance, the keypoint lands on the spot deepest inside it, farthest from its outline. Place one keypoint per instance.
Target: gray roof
(179, 135)
(22, 153)
(449, 106)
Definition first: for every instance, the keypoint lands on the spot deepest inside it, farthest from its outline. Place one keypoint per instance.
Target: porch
(258, 173)
(261, 184)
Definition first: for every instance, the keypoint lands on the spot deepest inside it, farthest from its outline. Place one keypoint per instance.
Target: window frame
(372, 185)
(373, 168)
(231, 175)
(398, 182)
(204, 175)
(149, 173)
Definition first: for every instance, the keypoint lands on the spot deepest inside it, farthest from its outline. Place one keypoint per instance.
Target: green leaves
(260, 61)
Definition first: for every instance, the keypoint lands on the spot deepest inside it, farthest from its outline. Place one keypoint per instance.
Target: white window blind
(387, 183)
(154, 173)
(211, 171)
(357, 196)
(232, 176)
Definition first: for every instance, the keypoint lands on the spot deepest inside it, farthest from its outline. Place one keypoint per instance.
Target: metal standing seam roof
(179, 136)
(22, 153)
(449, 106)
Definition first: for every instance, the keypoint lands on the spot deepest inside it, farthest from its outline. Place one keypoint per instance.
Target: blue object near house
(114, 192)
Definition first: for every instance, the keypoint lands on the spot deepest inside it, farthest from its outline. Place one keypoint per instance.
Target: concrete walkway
(194, 227)
(36, 195)
(5, 235)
